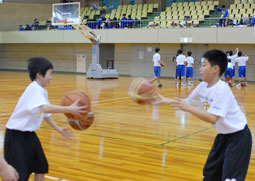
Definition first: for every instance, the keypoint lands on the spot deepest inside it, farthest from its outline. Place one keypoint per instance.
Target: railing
(146, 23)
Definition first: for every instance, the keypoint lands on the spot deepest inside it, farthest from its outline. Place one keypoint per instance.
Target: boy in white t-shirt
(189, 68)
(157, 67)
(22, 147)
(230, 155)
(232, 58)
(180, 68)
(241, 61)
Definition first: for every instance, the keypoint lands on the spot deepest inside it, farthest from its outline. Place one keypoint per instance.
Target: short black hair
(217, 57)
(179, 52)
(157, 49)
(38, 65)
(230, 53)
(227, 52)
(189, 53)
(240, 54)
(223, 6)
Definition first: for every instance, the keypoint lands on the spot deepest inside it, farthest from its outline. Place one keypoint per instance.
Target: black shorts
(229, 157)
(24, 152)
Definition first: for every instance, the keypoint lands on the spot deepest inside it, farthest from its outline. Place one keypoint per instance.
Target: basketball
(162, 64)
(71, 97)
(82, 124)
(142, 91)
(242, 83)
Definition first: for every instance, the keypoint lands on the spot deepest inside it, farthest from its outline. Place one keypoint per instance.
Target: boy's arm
(73, 109)
(160, 62)
(201, 114)
(237, 50)
(62, 131)
(218, 9)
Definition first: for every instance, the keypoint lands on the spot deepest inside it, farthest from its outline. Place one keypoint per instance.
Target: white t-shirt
(27, 115)
(155, 59)
(220, 101)
(233, 59)
(241, 61)
(180, 59)
(230, 65)
(190, 61)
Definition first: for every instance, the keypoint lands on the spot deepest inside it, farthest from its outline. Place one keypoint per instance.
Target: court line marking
(183, 137)
(55, 178)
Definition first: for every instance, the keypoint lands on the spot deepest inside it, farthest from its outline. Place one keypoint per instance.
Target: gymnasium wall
(130, 59)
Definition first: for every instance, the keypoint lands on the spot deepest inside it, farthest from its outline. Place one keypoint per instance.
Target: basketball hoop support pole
(95, 70)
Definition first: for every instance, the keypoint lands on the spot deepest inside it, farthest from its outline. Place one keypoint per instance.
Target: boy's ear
(216, 69)
(38, 75)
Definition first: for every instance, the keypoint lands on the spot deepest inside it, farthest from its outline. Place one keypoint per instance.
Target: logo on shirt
(206, 105)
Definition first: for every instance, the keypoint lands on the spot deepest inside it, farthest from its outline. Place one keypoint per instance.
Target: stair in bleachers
(211, 20)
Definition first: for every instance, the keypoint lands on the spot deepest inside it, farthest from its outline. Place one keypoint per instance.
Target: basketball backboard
(66, 13)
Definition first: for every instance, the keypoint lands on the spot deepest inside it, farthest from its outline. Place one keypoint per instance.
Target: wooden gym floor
(127, 141)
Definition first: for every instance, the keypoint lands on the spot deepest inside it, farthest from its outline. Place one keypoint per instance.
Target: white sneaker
(183, 85)
(238, 85)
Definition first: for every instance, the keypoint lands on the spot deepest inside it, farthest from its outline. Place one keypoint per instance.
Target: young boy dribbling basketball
(230, 155)
(22, 147)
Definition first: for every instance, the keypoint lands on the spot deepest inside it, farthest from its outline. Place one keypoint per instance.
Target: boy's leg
(156, 74)
(182, 74)
(177, 75)
(244, 75)
(38, 177)
(237, 156)
(233, 74)
(226, 22)
(213, 167)
(239, 77)
(154, 78)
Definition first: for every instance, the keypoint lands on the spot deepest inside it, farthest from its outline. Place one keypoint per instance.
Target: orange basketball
(71, 97)
(242, 83)
(82, 124)
(162, 64)
(142, 91)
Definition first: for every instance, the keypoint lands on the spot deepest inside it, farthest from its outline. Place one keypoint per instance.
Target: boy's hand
(162, 100)
(77, 110)
(181, 104)
(63, 131)
(9, 174)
